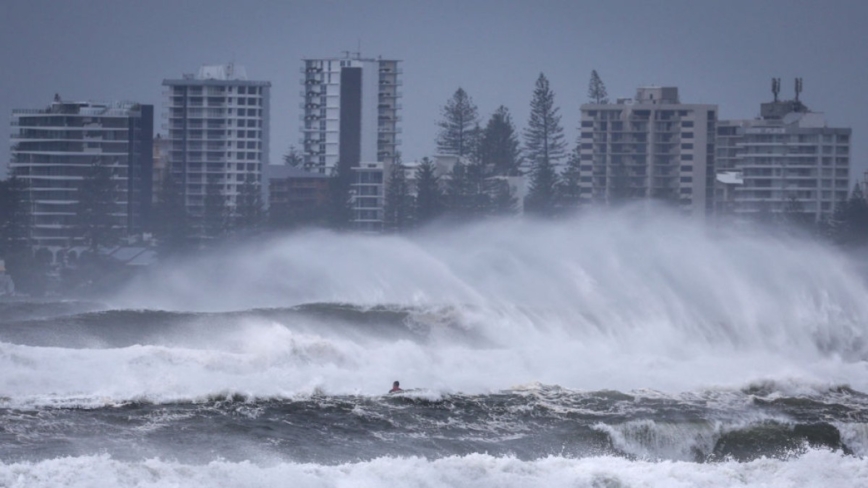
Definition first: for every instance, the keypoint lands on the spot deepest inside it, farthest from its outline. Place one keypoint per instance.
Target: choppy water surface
(599, 353)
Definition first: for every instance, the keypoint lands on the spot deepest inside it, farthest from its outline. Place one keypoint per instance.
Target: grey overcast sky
(722, 52)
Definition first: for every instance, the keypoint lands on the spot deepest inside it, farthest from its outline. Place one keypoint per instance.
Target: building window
(688, 145)
(686, 123)
(687, 135)
(687, 167)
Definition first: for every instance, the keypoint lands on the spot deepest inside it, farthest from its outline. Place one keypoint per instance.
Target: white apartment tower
(350, 112)
(218, 125)
(649, 147)
(787, 160)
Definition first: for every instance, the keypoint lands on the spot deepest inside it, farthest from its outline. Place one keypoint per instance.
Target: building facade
(54, 148)
(296, 197)
(649, 147)
(218, 128)
(368, 190)
(350, 112)
(787, 160)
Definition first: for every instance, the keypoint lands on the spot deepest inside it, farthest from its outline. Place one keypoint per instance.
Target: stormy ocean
(605, 352)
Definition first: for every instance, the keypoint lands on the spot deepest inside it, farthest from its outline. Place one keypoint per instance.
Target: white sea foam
(817, 468)
(605, 302)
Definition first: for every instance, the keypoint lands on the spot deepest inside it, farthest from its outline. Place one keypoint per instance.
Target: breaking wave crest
(814, 468)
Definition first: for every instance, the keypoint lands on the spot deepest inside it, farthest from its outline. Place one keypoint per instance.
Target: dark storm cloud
(716, 52)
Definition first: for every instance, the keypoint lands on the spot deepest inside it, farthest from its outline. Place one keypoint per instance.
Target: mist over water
(563, 353)
(613, 301)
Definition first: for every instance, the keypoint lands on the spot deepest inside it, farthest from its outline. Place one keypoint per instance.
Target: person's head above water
(396, 384)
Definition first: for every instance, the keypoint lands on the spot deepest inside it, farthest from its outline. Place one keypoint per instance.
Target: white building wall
(648, 148)
(320, 133)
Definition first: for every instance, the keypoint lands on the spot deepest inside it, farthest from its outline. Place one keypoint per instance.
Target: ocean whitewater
(603, 352)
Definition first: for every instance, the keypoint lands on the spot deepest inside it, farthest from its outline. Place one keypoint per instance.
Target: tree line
(486, 156)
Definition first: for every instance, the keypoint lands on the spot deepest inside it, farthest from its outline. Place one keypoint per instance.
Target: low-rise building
(295, 196)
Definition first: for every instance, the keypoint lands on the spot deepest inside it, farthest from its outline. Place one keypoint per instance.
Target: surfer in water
(396, 387)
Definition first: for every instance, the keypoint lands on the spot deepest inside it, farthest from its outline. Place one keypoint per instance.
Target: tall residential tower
(218, 125)
(350, 112)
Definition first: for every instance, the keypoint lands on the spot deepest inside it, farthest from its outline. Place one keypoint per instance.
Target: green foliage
(467, 192)
(793, 216)
(29, 275)
(597, 89)
(214, 222)
(503, 202)
(16, 221)
(544, 136)
(249, 209)
(850, 222)
(293, 157)
(569, 190)
(398, 208)
(541, 199)
(473, 193)
(498, 145)
(172, 226)
(457, 134)
(340, 210)
(95, 218)
(544, 147)
(429, 194)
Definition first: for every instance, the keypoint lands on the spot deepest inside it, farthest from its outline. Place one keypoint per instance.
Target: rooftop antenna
(776, 87)
(798, 88)
(346, 54)
(359, 48)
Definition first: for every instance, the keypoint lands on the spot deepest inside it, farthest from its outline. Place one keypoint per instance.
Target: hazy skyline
(720, 53)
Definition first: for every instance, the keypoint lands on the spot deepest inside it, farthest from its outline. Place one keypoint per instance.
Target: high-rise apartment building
(787, 160)
(350, 112)
(649, 147)
(218, 125)
(54, 148)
